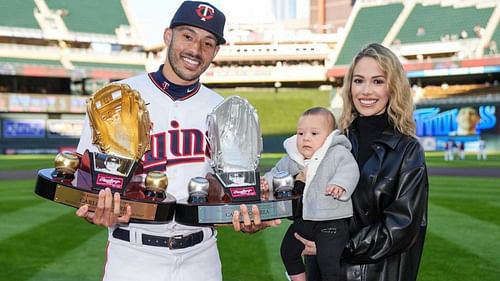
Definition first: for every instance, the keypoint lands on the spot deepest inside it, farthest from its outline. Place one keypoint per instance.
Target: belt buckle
(171, 240)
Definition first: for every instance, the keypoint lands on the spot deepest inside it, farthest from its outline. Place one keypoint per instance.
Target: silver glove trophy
(235, 142)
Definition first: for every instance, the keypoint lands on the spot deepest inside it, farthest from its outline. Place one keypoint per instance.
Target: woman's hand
(309, 246)
(107, 212)
(249, 226)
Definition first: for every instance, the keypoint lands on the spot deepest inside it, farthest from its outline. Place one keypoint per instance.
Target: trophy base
(78, 191)
(222, 213)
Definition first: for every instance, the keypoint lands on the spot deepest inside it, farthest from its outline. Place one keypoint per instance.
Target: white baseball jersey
(178, 145)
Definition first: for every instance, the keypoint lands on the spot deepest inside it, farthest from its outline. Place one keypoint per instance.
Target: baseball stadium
(55, 54)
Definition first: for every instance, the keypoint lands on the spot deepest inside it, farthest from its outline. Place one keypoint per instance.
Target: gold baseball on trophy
(156, 181)
(66, 163)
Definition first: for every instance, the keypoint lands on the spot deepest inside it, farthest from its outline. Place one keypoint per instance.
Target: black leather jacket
(390, 211)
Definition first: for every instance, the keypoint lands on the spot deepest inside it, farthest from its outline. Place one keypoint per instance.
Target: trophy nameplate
(121, 131)
(222, 213)
(235, 144)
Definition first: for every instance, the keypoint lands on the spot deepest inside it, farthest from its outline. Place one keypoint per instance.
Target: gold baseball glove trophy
(121, 130)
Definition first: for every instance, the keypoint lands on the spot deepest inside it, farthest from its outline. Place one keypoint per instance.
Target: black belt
(174, 242)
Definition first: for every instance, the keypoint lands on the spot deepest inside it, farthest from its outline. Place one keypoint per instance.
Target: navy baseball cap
(202, 15)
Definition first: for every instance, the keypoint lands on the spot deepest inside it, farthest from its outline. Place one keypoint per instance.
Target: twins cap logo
(205, 12)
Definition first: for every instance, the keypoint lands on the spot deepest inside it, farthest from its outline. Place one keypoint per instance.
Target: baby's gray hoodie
(332, 163)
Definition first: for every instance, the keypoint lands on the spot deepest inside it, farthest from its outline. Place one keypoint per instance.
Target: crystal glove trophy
(235, 144)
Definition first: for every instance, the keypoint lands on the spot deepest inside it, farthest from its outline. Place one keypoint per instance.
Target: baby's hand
(335, 191)
(264, 185)
(301, 176)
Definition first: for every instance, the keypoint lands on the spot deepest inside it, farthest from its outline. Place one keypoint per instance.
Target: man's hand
(107, 212)
(309, 246)
(249, 226)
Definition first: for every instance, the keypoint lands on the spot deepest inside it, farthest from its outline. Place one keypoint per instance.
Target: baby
(326, 174)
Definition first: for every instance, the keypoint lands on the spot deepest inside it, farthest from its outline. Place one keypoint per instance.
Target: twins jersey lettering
(185, 145)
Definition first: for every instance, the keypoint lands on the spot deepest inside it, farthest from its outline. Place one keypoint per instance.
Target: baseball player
(178, 105)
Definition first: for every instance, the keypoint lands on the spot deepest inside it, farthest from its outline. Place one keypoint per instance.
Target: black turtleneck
(369, 129)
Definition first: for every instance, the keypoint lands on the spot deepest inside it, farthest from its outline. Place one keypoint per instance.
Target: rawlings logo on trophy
(121, 130)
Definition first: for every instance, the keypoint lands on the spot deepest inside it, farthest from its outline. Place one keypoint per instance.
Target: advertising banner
(26, 128)
(64, 128)
(42, 103)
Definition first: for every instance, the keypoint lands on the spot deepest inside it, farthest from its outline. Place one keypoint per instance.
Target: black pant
(331, 238)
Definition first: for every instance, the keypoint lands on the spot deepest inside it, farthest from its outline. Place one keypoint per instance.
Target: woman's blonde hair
(400, 106)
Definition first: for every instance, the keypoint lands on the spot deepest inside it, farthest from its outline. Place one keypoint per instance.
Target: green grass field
(270, 106)
(42, 240)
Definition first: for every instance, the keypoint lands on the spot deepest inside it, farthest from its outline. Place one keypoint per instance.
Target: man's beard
(177, 71)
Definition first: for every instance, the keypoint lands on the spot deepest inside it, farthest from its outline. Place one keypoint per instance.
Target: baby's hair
(322, 111)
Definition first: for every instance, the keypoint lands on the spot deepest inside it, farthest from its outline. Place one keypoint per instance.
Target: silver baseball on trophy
(198, 190)
(283, 184)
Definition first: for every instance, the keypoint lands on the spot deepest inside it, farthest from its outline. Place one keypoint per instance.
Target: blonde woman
(390, 201)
